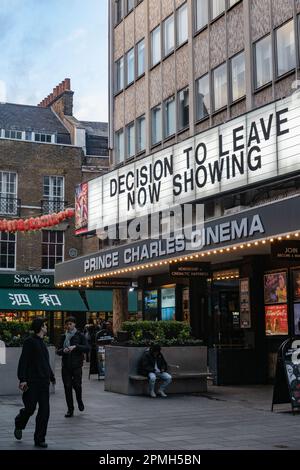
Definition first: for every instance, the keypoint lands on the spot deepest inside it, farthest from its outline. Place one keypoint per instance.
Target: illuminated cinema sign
(250, 149)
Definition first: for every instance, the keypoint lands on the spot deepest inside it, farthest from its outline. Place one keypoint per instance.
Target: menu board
(276, 318)
(275, 288)
(245, 312)
(186, 304)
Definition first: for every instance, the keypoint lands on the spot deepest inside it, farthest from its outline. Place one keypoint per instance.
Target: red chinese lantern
(14, 225)
(31, 223)
(60, 216)
(4, 225)
(70, 213)
(38, 223)
(9, 226)
(20, 225)
(26, 225)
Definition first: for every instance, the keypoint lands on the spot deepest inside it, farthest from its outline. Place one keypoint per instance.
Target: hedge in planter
(164, 333)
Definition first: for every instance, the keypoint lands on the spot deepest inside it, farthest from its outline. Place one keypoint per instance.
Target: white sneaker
(152, 394)
(162, 393)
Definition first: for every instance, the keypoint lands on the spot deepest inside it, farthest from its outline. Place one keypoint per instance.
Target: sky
(42, 42)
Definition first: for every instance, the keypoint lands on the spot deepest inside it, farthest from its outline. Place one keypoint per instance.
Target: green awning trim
(41, 299)
(102, 300)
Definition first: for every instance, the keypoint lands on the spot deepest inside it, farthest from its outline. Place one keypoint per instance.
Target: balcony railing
(49, 206)
(9, 206)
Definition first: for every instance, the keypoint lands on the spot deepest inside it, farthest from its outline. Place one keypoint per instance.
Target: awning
(41, 299)
(102, 300)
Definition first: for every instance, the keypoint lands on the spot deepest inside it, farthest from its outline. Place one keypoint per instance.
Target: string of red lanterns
(35, 223)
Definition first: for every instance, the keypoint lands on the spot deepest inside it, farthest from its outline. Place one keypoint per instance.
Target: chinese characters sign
(38, 299)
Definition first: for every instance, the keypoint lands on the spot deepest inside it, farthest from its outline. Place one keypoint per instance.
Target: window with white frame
(285, 48)
(156, 131)
(169, 117)
(181, 25)
(53, 193)
(119, 75)
(238, 76)
(40, 137)
(130, 66)
(169, 35)
(217, 7)
(183, 108)
(119, 146)
(201, 14)
(202, 97)
(155, 46)
(141, 134)
(7, 250)
(9, 134)
(52, 248)
(141, 57)
(263, 61)
(8, 193)
(130, 140)
(220, 87)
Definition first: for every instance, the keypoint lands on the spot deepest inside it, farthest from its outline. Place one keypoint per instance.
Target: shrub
(164, 333)
(14, 333)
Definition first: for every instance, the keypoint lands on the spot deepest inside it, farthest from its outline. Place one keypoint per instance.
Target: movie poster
(81, 208)
(275, 288)
(296, 285)
(276, 317)
(297, 319)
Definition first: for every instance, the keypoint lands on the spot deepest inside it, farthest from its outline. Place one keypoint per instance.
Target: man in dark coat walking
(72, 348)
(154, 366)
(35, 375)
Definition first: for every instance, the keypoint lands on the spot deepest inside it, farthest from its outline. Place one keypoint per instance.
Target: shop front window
(151, 305)
(168, 303)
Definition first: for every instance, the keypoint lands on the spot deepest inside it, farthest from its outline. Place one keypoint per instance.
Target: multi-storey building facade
(204, 108)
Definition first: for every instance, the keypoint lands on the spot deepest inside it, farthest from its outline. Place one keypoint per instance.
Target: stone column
(120, 308)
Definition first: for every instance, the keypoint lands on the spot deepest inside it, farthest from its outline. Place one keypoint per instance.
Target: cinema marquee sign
(253, 148)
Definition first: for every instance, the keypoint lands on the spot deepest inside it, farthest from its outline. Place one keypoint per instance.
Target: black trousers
(72, 378)
(37, 393)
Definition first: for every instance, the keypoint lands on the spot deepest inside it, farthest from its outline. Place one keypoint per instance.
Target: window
(169, 37)
(129, 5)
(52, 248)
(285, 48)
(141, 58)
(8, 193)
(182, 25)
(201, 16)
(53, 193)
(232, 2)
(119, 85)
(140, 134)
(130, 140)
(118, 11)
(202, 97)
(155, 46)
(38, 137)
(183, 109)
(7, 250)
(28, 135)
(238, 76)
(130, 66)
(13, 135)
(169, 117)
(217, 7)
(263, 61)
(119, 146)
(156, 125)
(220, 87)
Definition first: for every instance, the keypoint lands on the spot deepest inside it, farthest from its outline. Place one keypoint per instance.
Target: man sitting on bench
(153, 365)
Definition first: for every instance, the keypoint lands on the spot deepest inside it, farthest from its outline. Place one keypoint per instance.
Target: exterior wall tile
(155, 86)
(140, 97)
(129, 104)
(201, 54)
(235, 30)
(282, 11)
(129, 31)
(238, 109)
(140, 15)
(182, 67)
(154, 13)
(284, 88)
(119, 40)
(167, 7)
(183, 135)
(202, 126)
(220, 118)
(218, 42)
(260, 18)
(168, 70)
(263, 97)
(119, 112)
(178, 2)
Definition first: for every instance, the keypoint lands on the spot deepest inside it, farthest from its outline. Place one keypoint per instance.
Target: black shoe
(80, 406)
(18, 434)
(69, 414)
(43, 445)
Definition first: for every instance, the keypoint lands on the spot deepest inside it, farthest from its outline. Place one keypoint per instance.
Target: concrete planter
(8, 372)
(122, 361)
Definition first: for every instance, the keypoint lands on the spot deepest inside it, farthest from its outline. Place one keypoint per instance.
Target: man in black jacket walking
(35, 375)
(153, 365)
(72, 348)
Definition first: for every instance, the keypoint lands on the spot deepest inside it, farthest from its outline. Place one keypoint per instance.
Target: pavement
(225, 418)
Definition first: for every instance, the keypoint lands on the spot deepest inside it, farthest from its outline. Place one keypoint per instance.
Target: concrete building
(204, 107)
